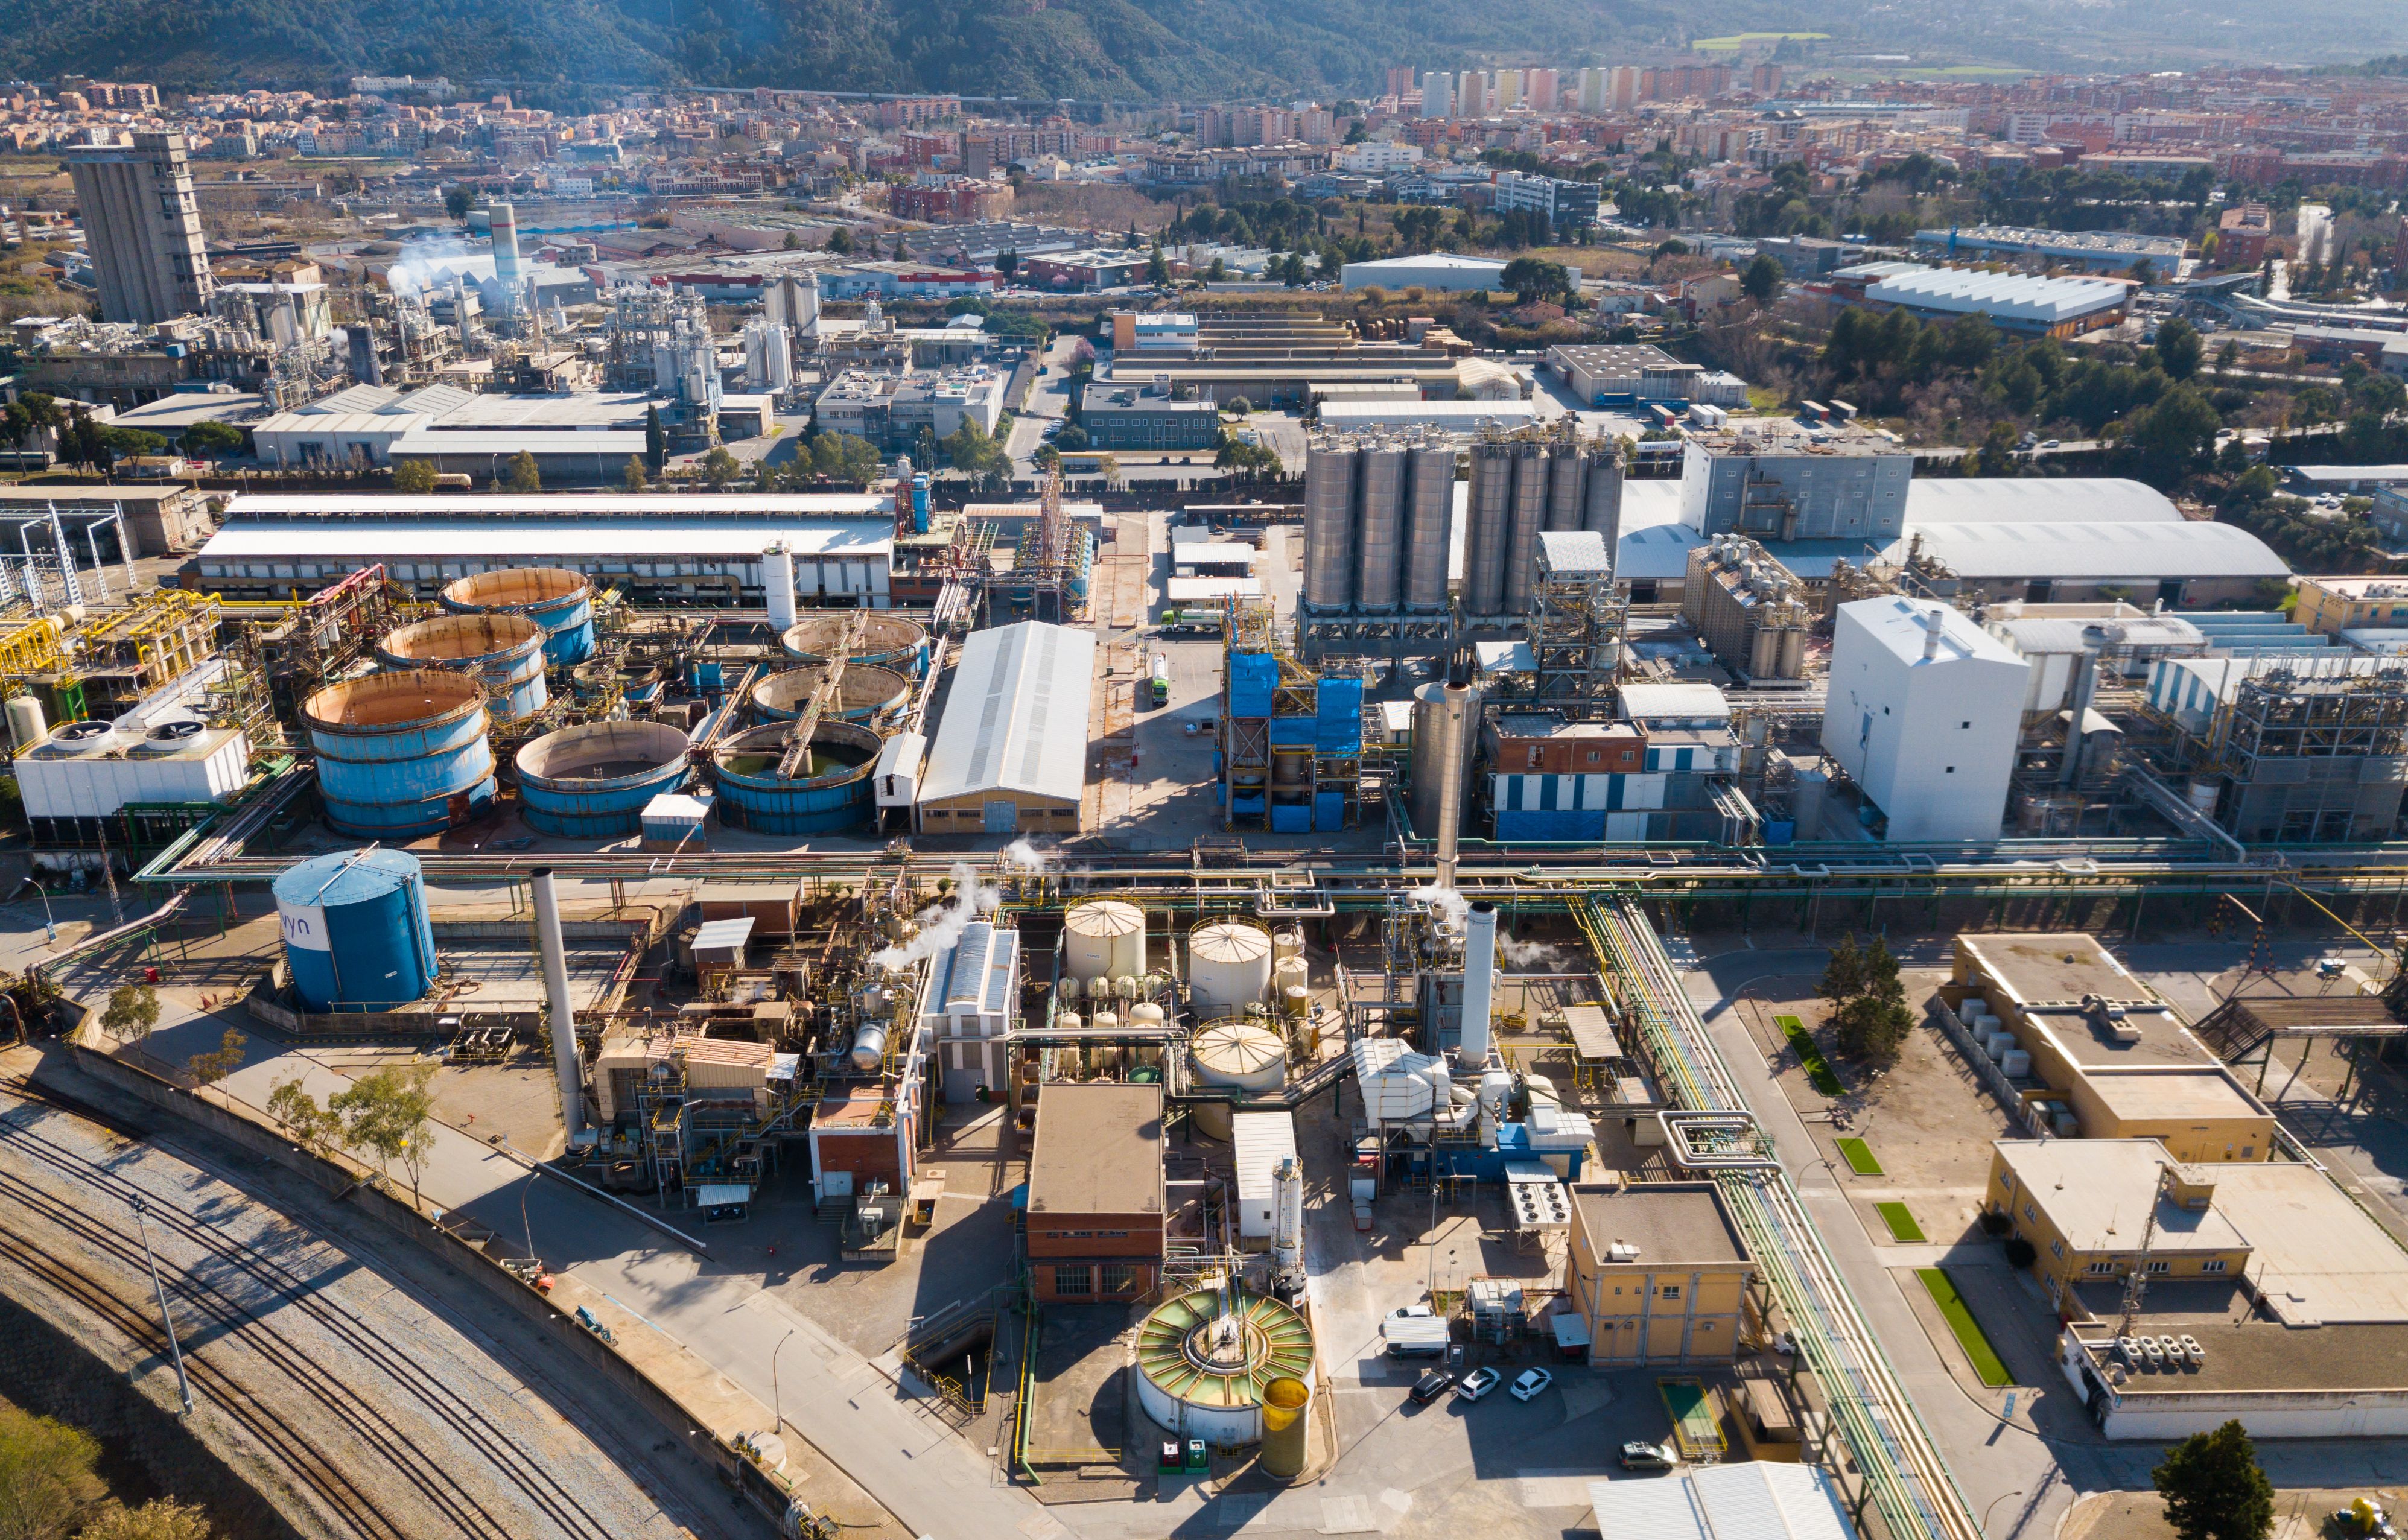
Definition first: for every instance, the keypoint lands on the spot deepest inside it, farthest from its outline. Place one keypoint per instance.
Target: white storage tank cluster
(1229, 966)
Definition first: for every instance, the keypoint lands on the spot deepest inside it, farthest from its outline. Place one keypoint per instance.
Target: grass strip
(1810, 1055)
(1902, 1224)
(1859, 1156)
(1991, 1369)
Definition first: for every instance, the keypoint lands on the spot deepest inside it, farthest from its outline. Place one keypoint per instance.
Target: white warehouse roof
(1750, 1501)
(2036, 500)
(539, 540)
(558, 505)
(1453, 416)
(1434, 270)
(1018, 716)
(2004, 296)
(2100, 552)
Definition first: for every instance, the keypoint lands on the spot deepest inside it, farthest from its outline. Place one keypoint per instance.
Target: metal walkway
(1909, 1482)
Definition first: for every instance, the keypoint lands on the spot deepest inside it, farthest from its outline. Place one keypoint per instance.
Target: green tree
(839, 242)
(923, 448)
(1763, 280)
(972, 450)
(1870, 1027)
(1843, 976)
(1157, 269)
(46, 1475)
(1238, 406)
(633, 478)
(2214, 1488)
(1071, 439)
(415, 477)
(212, 439)
(161, 1519)
(2178, 349)
(656, 440)
(844, 457)
(523, 476)
(312, 1127)
(2172, 435)
(207, 1069)
(1535, 278)
(794, 241)
(133, 1011)
(391, 1115)
(1007, 263)
(1217, 273)
(457, 200)
(718, 468)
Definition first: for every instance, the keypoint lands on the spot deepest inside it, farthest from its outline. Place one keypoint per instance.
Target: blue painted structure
(554, 598)
(890, 641)
(401, 754)
(356, 935)
(503, 651)
(594, 781)
(867, 692)
(838, 801)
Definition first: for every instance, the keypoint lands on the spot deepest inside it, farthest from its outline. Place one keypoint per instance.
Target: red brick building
(1096, 1192)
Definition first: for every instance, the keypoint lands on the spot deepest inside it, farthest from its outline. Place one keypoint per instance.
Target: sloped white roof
(2009, 296)
(2036, 500)
(1018, 714)
(1753, 1500)
(2100, 552)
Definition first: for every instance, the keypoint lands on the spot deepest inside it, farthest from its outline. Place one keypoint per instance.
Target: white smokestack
(564, 1010)
(1479, 985)
(1934, 622)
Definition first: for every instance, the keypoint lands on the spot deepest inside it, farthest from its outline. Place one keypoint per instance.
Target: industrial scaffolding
(1291, 740)
(1576, 631)
(2312, 752)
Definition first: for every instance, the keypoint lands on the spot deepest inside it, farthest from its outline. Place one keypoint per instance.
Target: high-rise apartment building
(1539, 89)
(1437, 94)
(1596, 90)
(142, 227)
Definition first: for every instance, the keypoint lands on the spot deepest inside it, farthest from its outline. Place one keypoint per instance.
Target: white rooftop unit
(1261, 1141)
(1399, 1086)
(1925, 709)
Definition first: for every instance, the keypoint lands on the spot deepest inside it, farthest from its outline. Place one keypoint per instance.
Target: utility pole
(2136, 1283)
(175, 1352)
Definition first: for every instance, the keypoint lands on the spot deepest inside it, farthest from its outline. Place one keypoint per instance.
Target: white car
(1530, 1383)
(1476, 1384)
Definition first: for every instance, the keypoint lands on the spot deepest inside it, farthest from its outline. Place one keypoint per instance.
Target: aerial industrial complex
(747, 890)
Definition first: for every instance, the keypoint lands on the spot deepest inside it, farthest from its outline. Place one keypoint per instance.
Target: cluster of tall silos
(1526, 484)
(1378, 514)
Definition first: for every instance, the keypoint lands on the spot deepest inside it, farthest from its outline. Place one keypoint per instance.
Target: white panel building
(973, 1000)
(1924, 711)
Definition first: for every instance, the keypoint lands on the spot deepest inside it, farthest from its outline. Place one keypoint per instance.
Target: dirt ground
(2299, 1515)
(1926, 1119)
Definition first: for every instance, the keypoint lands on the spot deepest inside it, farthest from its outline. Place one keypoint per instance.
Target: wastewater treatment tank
(554, 598)
(357, 935)
(890, 641)
(1205, 1359)
(832, 792)
(402, 754)
(592, 781)
(505, 651)
(867, 692)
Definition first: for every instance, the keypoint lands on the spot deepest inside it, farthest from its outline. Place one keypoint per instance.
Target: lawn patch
(1986, 1362)
(1902, 1224)
(1859, 1157)
(1810, 1055)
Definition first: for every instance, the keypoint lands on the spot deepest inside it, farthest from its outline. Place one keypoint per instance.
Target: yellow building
(2083, 1205)
(2103, 1056)
(2332, 604)
(1658, 1275)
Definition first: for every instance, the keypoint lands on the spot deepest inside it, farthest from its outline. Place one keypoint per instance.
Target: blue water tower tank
(356, 933)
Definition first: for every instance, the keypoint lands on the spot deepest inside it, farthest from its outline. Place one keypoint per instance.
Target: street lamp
(48, 923)
(183, 1386)
(1994, 1507)
(776, 1402)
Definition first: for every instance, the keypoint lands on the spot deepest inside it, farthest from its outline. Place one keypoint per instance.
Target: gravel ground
(424, 1411)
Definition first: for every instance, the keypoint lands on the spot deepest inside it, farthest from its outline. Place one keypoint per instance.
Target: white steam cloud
(1454, 908)
(1025, 857)
(941, 923)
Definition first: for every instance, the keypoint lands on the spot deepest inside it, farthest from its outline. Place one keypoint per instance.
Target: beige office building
(1658, 1275)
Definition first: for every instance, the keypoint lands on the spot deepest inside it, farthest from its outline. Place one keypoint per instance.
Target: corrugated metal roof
(530, 538)
(2010, 296)
(1575, 551)
(2036, 500)
(813, 507)
(1749, 1500)
(1017, 718)
(2102, 551)
(1673, 703)
(1258, 1142)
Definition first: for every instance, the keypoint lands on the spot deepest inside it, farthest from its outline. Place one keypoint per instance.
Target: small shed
(718, 944)
(773, 906)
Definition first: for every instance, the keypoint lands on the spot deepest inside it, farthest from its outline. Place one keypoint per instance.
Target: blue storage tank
(834, 795)
(592, 783)
(868, 693)
(890, 641)
(554, 598)
(402, 754)
(505, 652)
(356, 935)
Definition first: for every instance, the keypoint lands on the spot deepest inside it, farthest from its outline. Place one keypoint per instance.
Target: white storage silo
(1237, 1055)
(1105, 939)
(1229, 966)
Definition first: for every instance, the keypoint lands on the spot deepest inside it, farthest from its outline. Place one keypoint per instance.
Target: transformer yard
(1041, 1064)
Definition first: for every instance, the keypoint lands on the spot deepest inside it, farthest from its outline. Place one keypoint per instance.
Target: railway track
(1907, 1477)
(458, 1498)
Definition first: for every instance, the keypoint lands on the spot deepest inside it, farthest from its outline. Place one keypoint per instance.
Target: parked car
(1639, 1455)
(1433, 1384)
(1477, 1384)
(1402, 1312)
(1531, 1382)
(2053, 444)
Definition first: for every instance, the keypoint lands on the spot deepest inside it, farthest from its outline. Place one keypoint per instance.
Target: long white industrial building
(713, 560)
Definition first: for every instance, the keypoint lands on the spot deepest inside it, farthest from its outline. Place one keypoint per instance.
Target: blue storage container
(833, 795)
(554, 598)
(1291, 818)
(356, 935)
(504, 652)
(1329, 811)
(594, 781)
(1555, 824)
(1293, 732)
(1780, 830)
(1253, 677)
(1246, 806)
(401, 754)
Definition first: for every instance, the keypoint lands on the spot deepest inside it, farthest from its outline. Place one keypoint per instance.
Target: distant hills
(1116, 48)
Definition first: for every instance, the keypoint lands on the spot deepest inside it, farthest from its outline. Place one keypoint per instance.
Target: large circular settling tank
(1205, 1359)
